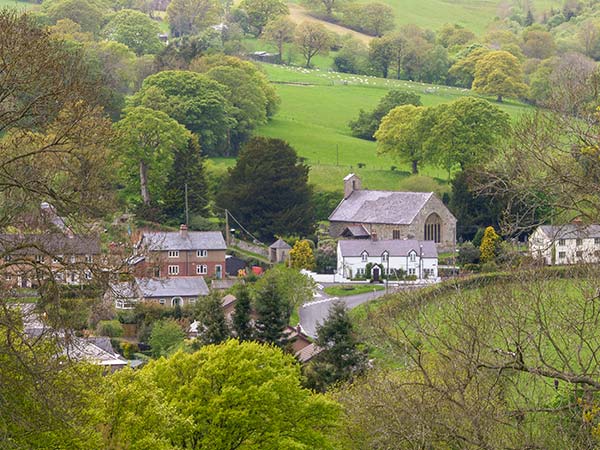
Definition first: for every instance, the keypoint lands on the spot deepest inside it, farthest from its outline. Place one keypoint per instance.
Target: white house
(409, 257)
(566, 244)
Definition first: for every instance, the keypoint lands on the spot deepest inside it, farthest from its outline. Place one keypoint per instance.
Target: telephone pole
(227, 236)
(187, 211)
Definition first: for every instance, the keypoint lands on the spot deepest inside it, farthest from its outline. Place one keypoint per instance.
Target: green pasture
(16, 4)
(316, 106)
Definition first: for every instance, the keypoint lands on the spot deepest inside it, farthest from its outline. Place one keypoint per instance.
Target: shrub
(468, 254)
(110, 328)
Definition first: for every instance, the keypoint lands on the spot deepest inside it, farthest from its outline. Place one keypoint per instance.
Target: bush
(468, 254)
(110, 328)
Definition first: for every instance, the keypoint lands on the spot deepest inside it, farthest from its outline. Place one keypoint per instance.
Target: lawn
(352, 289)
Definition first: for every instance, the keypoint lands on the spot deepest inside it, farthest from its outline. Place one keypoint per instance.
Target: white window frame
(201, 253)
(561, 242)
(412, 256)
(364, 256)
(173, 270)
(201, 269)
(88, 275)
(89, 259)
(161, 301)
(562, 255)
(39, 258)
(385, 256)
(173, 253)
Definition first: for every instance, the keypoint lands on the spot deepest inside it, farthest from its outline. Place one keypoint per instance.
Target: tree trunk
(499, 99)
(280, 48)
(308, 58)
(415, 169)
(144, 183)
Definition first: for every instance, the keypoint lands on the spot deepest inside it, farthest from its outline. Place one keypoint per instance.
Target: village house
(167, 291)
(573, 243)
(29, 258)
(181, 254)
(392, 215)
(387, 257)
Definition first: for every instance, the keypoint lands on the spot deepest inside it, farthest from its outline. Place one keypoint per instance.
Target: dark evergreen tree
(213, 327)
(267, 190)
(272, 313)
(341, 358)
(188, 167)
(241, 320)
(367, 123)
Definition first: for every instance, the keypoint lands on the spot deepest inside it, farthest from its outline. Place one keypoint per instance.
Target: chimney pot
(183, 231)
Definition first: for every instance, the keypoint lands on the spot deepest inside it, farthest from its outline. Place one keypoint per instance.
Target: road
(313, 313)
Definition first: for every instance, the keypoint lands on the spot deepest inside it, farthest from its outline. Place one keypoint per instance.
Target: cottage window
(596, 241)
(156, 271)
(364, 256)
(89, 259)
(579, 253)
(202, 253)
(176, 301)
(562, 255)
(7, 258)
(72, 259)
(88, 275)
(173, 270)
(39, 258)
(162, 301)
(433, 228)
(412, 256)
(396, 234)
(56, 259)
(561, 242)
(173, 253)
(412, 271)
(202, 269)
(579, 242)
(384, 257)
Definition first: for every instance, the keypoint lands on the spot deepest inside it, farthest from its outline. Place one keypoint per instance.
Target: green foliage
(261, 12)
(267, 189)
(165, 337)
(367, 123)
(110, 328)
(489, 245)
(134, 29)
(233, 395)
(187, 168)
(272, 310)
(468, 254)
(189, 17)
(499, 73)
(462, 71)
(312, 39)
(374, 19)
(213, 327)
(241, 318)
(193, 100)
(401, 133)
(341, 359)
(302, 256)
(279, 31)
(146, 140)
(90, 14)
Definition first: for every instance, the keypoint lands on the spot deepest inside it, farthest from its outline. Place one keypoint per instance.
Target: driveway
(315, 312)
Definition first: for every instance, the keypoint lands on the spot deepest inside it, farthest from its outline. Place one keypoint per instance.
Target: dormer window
(364, 256)
(384, 257)
(413, 256)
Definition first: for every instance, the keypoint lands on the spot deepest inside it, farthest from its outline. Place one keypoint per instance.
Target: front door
(375, 273)
(218, 272)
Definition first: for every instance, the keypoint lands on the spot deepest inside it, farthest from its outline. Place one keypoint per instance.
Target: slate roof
(396, 247)
(390, 207)
(172, 287)
(195, 240)
(571, 231)
(356, 231)
(280, 244)
(309, 352)
(54, 243)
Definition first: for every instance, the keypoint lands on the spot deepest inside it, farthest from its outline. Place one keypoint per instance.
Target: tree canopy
(267, 189)
(134, 29)
(499, 73)
(261, 12)
(234, 395)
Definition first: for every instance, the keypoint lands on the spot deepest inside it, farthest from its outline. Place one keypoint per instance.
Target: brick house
(182, 254)
(392, 215)
(167, 292)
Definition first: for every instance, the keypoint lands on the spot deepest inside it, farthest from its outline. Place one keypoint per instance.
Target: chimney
(351, 183)
(373, 236)
(183, 231)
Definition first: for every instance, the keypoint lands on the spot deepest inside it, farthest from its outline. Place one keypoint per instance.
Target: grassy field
(16, 4)
(316, 106)
(352, 289)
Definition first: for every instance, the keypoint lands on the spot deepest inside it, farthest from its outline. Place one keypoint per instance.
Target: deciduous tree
(134, 29)
(401, 134)
(279, 31)
(499, 73)
(165, 336)
(189, 17)
(312, 39)
(302, 256)
(261, 12)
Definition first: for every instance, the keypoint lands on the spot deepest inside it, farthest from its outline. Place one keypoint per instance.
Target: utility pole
(227, 236)
(187, 211)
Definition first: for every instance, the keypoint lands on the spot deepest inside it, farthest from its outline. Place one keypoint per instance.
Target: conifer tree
(241, 320)
(272, 311)
(187, 168)
(213, 327)
(341, 358)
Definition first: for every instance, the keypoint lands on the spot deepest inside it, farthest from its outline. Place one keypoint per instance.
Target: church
(385, 215)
